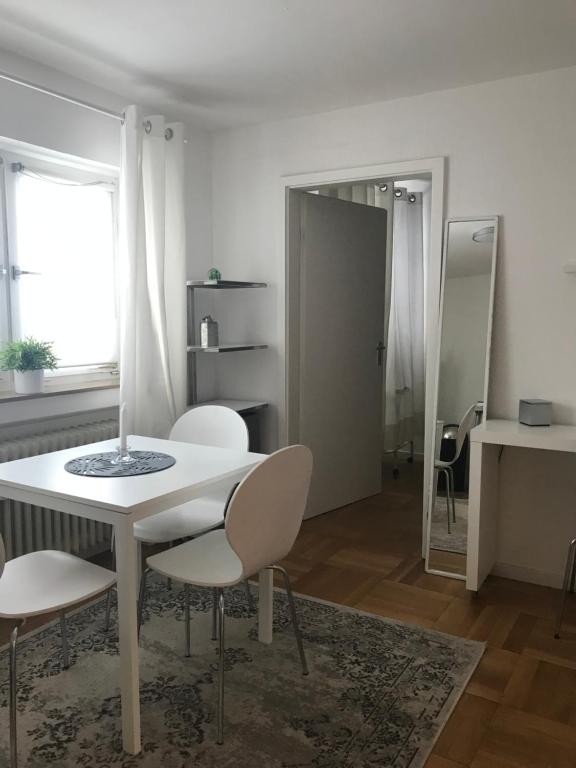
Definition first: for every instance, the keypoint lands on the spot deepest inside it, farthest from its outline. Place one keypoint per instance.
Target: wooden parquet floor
(519, 709)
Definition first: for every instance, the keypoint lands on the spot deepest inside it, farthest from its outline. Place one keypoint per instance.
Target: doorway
(320, 371)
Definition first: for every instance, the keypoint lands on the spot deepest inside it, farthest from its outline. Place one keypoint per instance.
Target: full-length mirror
(462, 388)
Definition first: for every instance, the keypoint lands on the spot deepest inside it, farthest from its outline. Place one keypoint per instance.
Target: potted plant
(28, 358)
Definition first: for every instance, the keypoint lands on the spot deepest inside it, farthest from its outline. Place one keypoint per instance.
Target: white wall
(40, 119)
(511, 149)
(199, 241)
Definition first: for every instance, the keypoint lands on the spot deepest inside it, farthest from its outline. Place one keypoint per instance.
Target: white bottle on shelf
(208, 332)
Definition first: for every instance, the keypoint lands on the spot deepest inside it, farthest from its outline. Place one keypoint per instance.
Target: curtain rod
(61, 96)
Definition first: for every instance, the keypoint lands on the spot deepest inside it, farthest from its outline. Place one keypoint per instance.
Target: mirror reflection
(466, 321)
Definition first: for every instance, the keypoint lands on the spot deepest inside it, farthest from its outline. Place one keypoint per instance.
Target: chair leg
(108, 610)
(214, 613)
(142, 598)
(13, 697)
(187, 617)
(568, 576)
(249, 598)
(169, 581)
(294, 616)
(451, 473)
(64, 634)
(221, 616)
(445, 472)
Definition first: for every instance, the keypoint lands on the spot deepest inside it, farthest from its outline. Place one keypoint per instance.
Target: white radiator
(26, 528)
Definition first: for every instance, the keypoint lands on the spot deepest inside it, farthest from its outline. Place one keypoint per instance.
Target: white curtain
(152, 274)
(405, 372)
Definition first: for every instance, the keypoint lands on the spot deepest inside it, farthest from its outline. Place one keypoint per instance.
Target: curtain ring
(147, 126)
(168, 134)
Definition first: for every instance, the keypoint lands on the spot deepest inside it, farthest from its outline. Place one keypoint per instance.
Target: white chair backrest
(466, 424)
(2, 555)
(266, 510)
(212, 425)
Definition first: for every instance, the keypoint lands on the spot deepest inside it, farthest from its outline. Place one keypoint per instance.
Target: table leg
(482, 513)
(265, 606)
(127, 569)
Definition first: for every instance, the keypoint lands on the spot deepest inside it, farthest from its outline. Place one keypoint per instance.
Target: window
(59, 273)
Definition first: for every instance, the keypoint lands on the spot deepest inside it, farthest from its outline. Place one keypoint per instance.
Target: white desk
(486, 441)
(120, 501)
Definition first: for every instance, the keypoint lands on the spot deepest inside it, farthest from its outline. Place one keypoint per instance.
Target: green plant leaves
(28, 355)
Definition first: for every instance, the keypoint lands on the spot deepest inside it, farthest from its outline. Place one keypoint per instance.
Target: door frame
(289, 308)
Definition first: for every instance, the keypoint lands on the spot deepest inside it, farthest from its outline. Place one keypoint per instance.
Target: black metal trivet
(111, 465)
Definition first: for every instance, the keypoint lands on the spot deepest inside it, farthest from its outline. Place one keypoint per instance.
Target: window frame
(59, 165)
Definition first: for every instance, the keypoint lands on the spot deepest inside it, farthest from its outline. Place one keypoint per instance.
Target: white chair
(212, 425)
(263, 518)
(466, 424)
(39, 583)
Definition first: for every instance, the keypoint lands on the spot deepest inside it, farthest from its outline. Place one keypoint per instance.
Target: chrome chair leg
(13, 696)
(169, 580)
(220, 716)
(445, 473)
(108, 610)
(214, 613)
(187, 617)
(142, 598)
(64, 634)
(249, 597)
(569, 572)
(293, 615)
(452, 493)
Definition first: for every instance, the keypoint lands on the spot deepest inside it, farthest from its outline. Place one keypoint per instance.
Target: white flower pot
(29, 382)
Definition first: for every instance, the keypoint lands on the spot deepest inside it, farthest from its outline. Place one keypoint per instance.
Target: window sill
(55, 388)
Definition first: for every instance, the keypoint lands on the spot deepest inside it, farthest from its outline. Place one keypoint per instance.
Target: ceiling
(229, 62)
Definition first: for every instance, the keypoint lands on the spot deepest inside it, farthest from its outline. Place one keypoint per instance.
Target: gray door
(342, 292)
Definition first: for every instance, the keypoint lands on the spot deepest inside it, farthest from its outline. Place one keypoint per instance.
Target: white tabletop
(197, 467)
(557, 437)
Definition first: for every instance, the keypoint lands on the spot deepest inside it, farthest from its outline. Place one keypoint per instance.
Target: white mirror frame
(429, 460)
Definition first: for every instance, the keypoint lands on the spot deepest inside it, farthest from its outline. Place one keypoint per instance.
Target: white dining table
(121, 501)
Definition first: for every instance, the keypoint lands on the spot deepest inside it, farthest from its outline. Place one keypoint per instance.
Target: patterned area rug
(457, 539)
(378, 693)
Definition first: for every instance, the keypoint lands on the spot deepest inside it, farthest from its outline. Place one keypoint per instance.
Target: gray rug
(378, 693)
(457, 539)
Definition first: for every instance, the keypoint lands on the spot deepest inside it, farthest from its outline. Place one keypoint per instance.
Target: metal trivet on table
(113, 464)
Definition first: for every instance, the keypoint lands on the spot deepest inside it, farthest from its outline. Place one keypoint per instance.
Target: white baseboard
(529, 575)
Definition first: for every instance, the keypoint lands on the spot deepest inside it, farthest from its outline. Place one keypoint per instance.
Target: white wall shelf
(227, 348)
(192, 347)
(223, 284)
(240, 406)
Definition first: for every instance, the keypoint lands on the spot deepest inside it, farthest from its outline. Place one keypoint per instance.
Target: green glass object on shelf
(214, 274)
